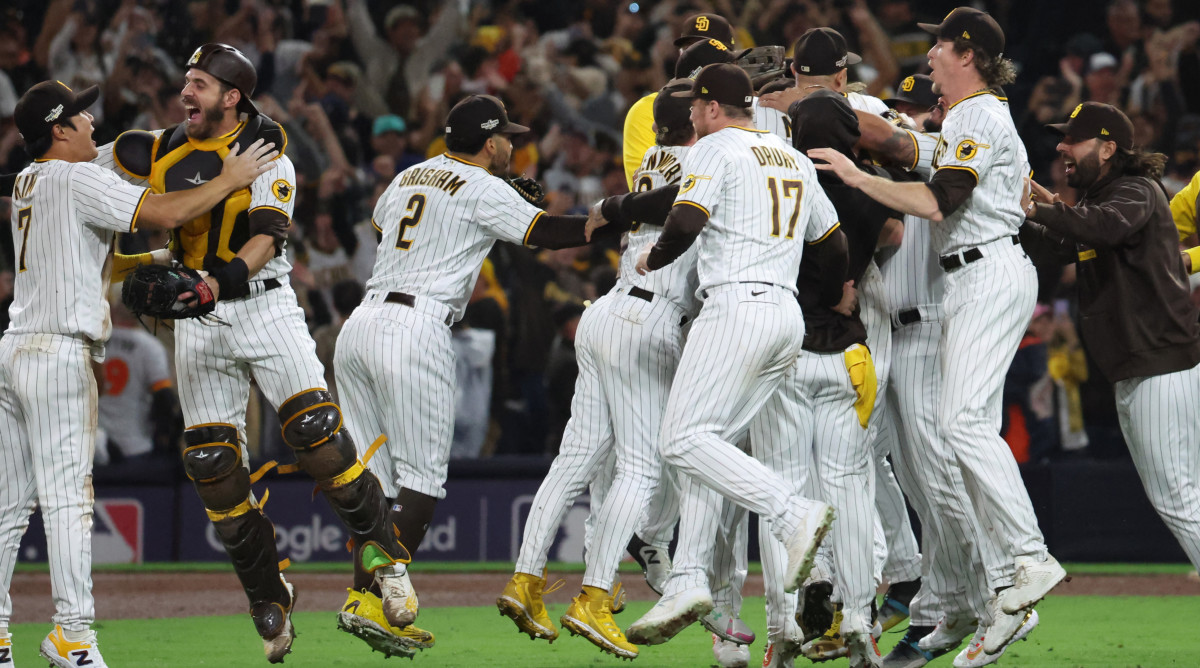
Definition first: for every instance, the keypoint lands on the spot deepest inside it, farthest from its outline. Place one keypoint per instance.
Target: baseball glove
(154, 290)
(529, 189)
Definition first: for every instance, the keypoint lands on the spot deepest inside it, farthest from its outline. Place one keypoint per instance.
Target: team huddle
(818, 297)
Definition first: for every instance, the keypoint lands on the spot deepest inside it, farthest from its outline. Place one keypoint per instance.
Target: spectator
(346, 295)
(139, 417)
(1029, 424)
(389, 137)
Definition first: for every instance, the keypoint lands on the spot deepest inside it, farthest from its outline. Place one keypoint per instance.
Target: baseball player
(619, 399)
(1135, 308)
(65, 215)
(745, 340)
(262, 334)
(394, 361)
(990, 287)
(638, 135)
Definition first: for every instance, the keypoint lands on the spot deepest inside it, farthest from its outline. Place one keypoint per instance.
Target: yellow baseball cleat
(521, 601)
(590, 616)
(362, 616)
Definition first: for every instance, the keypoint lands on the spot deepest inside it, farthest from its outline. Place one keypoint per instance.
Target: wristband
(231, 278)
(1194, 253)
(1031, 209)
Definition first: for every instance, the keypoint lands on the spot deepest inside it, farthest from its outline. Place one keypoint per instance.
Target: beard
(499, 163)
(931, 126)
(210, 118)
(1086, 171)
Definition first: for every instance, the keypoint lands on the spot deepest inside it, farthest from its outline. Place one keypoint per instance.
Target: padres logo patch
(282, 190)
(702, 23)
(907, 84)
(690, 182)
(1076, 112)
(967, 149)
(718, 45)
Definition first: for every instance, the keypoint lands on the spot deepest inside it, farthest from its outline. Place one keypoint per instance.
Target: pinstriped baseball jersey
(65, 217)
(772, 120)
(926, 144)
(273, 189)
(978, 135)
(912, 277)
(470, 210)
(867, 103)
(661, 166)
(763, 201)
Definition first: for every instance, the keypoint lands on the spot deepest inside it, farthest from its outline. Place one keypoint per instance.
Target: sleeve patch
(282, 190)
(689, 182)
(968, 148)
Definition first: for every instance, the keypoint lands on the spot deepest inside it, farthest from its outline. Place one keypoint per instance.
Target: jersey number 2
(24, 217)
(416, 207)
(793, 190)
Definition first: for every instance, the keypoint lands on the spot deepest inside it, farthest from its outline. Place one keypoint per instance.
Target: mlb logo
(117, 531)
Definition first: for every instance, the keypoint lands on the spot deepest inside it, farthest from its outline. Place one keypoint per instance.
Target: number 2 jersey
(169, 161)
(439, 220)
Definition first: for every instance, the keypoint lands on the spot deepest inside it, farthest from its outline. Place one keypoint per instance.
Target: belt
(247, 289)
(405, 299)
(963, 258)
(909, 316)
(645, 295)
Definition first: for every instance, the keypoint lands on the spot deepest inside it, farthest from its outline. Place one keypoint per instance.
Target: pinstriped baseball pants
(47, 438)
(1159, 418)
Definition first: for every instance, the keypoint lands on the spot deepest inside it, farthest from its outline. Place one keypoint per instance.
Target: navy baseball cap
(822, 51)
(47, 104)
(916, 90)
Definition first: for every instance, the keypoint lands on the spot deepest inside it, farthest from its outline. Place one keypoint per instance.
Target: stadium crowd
(362, 88)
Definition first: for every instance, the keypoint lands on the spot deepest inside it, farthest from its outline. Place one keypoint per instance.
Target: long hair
(1138, 163)
(996, 71)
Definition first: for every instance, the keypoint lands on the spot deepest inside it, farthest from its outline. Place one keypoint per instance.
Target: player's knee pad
(212, 458)
(312, 426)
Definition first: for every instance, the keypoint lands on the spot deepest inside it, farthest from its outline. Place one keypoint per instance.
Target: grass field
(1083, 631)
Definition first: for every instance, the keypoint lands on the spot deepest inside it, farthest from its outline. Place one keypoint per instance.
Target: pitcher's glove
(154, 290)
(529, 189)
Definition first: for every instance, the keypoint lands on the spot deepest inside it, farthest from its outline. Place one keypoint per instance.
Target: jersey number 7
(793, 190)
(24, 217)
(416, 207)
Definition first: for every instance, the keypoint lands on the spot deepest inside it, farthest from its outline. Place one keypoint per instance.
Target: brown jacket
(1135, 307)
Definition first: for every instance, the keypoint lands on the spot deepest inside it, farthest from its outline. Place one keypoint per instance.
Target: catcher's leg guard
(213, 460)
(312, 426)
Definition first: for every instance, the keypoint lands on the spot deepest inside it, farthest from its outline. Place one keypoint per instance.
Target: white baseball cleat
(1034, 579)
(730, 654)
(728, 626)
(948, 634)
(65, 653)
(399, 598)
(973, 655)
(1004, 627)
(669, 616)
(802, 545)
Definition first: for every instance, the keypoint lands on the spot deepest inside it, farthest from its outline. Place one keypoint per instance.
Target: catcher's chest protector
(180, 162)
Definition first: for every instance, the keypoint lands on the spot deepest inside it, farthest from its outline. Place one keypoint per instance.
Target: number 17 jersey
(439, 220)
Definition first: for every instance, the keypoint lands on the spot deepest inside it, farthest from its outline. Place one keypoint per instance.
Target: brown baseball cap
(480, 116)
(705, 26)
(821, 51)
(916, 90)
(724, 83)
(977, 27)
(696, 56)
(1093, 120)
(48, 103)
(672, 112)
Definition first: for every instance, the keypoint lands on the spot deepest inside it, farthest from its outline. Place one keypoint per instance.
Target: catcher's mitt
(154, 290)
(529, 189)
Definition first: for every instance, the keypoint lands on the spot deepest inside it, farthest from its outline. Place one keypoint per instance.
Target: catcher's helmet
(230, 66)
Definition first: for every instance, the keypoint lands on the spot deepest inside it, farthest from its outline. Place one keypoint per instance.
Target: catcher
(258, 331)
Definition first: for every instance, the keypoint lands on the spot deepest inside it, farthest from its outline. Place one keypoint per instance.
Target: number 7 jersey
(439, 220)
(762, 200)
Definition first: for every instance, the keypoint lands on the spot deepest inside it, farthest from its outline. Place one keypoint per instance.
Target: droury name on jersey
(769, 156)
(438, 178)
(666, 164)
